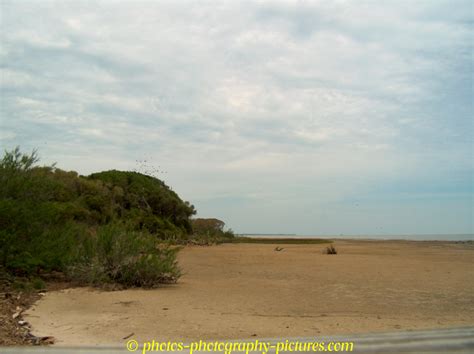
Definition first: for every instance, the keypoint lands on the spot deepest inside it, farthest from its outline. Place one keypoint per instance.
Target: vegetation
(116, 255)
(331, 250)
(147, 201)
(210, 231)
(108, 227)
(299, 241)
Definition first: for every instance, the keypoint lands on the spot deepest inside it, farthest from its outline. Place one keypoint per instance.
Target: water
(423, 237)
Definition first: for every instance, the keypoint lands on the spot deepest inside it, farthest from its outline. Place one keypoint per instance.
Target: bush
(210, 231)
(26, 285)
(38, 284)
(110, 227)
(152, 203)
(102, 228)
(331, 250)
(130, 258)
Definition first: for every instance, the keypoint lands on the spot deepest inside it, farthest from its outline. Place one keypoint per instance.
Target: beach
(238, 291)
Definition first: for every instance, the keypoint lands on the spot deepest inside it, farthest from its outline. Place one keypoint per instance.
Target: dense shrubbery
(210, 231)
(147, 202)
(117, 255)
(102, 228)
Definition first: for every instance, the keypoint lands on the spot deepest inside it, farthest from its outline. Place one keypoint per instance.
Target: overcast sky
(324, 117)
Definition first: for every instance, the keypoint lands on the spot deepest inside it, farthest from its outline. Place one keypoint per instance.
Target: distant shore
(249, 290)
(405, 237)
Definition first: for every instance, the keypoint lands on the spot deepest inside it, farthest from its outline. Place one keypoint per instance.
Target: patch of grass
(272, 241)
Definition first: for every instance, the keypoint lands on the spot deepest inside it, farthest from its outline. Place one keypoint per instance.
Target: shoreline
(468, 238)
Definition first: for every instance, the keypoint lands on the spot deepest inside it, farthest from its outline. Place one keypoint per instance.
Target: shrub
(130, 258)
(150, 200)
(38, 284)
(22, 285)
(210, 231)
(102, 228)
(26, 285)
(110, 227)
(331, 250)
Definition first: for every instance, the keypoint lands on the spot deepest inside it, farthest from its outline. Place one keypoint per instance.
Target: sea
(414, 237)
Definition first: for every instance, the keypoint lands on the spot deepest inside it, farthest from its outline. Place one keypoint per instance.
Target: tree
(209, 226)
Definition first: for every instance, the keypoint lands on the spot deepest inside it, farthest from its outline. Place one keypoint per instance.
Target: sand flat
(241, 290)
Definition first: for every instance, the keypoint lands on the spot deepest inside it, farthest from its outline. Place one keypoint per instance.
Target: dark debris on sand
(14, 329)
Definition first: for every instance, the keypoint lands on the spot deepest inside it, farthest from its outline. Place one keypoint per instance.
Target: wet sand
(252, 291)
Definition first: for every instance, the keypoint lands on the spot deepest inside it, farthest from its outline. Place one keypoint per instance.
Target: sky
(305, 117)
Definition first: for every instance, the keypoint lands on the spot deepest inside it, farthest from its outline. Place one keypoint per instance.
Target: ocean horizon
(412, 237)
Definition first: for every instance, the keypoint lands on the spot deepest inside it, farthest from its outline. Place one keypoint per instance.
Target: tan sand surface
(250, 290)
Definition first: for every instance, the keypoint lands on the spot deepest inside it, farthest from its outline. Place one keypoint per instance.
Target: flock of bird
(145, 168)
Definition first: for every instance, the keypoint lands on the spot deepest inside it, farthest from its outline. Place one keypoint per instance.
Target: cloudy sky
(308, 117)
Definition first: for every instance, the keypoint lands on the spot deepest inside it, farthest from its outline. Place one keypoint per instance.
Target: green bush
(26, 285)
(131, 258)
(148, 201)
(38, 284)
(105, 227)
(210, 231)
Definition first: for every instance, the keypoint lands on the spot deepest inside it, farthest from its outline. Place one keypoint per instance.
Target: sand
(252, 291)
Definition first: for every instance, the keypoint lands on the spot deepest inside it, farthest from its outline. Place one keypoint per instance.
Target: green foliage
(208, 226)
(47, 215)
(210, 231)
(279, 241)
(149, 203)
(15, 161)
(27, 285)
(38, 284)
(22, 285)
(131, 258)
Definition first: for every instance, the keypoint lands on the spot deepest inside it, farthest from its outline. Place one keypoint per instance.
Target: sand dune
(242, 290)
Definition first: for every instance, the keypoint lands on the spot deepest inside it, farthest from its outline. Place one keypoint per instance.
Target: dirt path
(242, 290)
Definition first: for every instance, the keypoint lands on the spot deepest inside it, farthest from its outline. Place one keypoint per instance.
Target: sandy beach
(252, 291)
